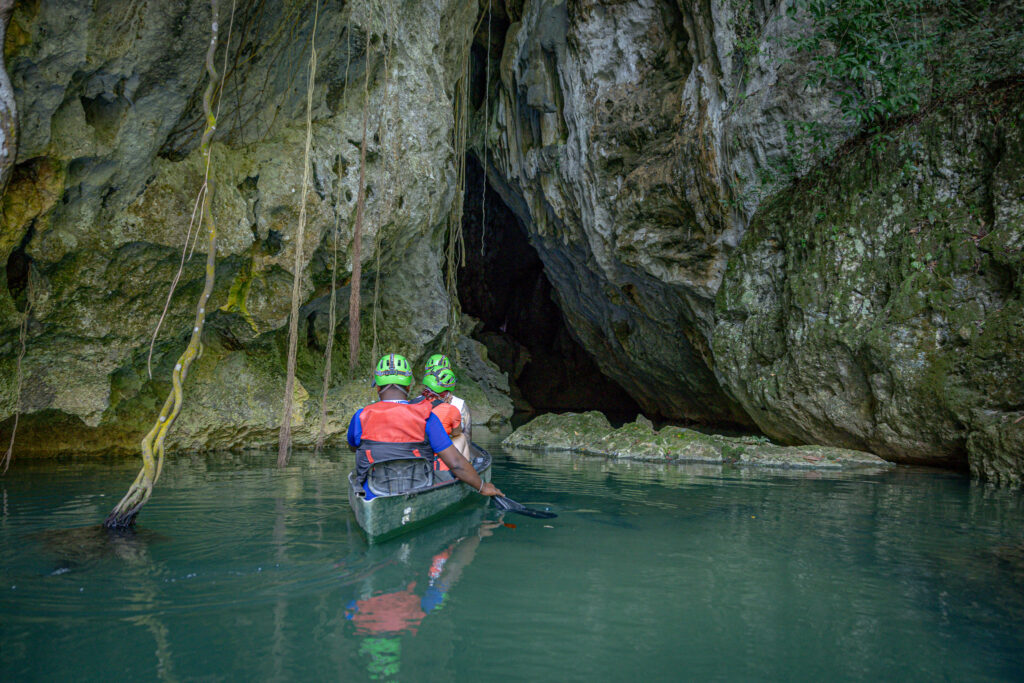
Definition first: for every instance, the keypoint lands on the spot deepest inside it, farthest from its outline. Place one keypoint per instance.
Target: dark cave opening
(522, 327)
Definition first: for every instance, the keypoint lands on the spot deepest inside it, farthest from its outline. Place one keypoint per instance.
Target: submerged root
(124, 514)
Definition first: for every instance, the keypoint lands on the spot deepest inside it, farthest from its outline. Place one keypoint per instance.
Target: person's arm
(453, 419)
(459, 466)
(355, 431)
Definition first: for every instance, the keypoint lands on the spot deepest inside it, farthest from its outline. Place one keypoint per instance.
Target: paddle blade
(503, 503)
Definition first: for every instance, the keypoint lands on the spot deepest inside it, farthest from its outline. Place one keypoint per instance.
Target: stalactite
(284, 442)
(124, 513)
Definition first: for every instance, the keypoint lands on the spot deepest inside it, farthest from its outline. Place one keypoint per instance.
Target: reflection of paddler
(383, 618)
(402, 611)
(396, 612)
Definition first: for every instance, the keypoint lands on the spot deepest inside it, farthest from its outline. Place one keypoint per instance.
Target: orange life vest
(449, 415)
(392, 431)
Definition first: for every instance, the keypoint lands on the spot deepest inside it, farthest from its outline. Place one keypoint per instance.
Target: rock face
(638, 143)
(880, 307)
(96, 218)
(618, 133)
(590, 433)
(873, 305)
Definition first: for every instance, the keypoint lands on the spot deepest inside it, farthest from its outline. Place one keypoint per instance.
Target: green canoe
(389, 514)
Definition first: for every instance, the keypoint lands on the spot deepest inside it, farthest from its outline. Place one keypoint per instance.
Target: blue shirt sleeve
(436, 435)
(355, 430)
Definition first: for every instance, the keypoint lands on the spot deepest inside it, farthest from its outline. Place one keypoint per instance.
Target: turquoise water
(243, 571)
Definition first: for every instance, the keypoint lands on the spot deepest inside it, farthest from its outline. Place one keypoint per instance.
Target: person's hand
(490, 489)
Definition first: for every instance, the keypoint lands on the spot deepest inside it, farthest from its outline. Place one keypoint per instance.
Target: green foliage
(884, 59)
(745, 24)
(888, 58)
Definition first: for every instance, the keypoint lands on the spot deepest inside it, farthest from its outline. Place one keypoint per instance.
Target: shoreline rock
(591, 434)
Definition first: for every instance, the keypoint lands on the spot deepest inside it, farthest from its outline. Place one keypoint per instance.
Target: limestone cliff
(96, 218)
(876, 309)
(873, 304)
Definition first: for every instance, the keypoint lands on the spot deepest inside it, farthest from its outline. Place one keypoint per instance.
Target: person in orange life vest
(393, 428)
(440, 361)
(437, 385)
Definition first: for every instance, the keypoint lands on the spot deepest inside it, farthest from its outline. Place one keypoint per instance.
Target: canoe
(387, 515)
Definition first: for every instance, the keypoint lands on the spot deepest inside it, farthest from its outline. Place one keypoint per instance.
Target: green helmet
(393, 369)
(437, 362)
(439, 381)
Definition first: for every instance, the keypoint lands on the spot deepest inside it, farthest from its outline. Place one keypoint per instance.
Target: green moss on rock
(590, 433)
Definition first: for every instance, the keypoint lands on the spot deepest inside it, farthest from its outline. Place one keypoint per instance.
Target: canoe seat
(400, 476)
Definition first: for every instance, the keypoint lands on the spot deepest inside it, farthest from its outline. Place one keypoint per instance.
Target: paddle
(503, 503)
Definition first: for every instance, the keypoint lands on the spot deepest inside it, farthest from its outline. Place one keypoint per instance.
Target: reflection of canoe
(386, 515)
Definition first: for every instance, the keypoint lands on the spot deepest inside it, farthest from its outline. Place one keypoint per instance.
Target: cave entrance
(525, 333)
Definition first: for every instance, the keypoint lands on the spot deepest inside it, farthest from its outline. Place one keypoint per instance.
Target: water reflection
(411, 580)
(243, 570)
(83, 548)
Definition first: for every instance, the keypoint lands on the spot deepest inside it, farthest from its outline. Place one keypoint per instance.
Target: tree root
(124, 513)
(284, 440)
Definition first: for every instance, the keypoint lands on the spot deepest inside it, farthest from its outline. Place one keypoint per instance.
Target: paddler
(395, 429)
(439, 361)
(437, 390)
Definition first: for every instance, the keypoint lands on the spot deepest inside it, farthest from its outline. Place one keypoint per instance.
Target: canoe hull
(384, 517)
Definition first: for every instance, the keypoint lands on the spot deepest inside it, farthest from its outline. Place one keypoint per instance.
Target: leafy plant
(888, 58)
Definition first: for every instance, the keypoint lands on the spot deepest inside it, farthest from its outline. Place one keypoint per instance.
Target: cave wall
(880, 307)
(607, 136)
(627, 138)
(632, 139)
(107, 172)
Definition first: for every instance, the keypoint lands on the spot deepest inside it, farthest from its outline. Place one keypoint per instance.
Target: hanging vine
(455, 250)
(189, 239)
(487, 123)
(332, 319)
(124, 513)
(357, 235)
(22, 339)
(284, 442)
(390, 166)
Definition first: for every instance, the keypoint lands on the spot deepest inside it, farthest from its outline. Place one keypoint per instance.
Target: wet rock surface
(639, 144)
(592, 434)
(97, 214)
(879, 308)
(874, 307)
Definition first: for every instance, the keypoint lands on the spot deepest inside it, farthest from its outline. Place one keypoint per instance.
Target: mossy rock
(564, 432)
(592, 434)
